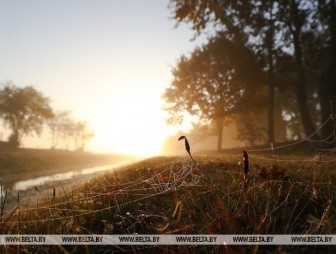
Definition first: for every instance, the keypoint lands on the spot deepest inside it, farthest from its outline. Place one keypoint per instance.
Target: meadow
(284, 194)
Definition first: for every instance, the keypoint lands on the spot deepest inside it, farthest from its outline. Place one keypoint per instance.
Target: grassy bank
(28, 163)
(171, 195)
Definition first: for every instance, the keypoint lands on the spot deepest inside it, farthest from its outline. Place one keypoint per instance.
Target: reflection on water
(26, 184)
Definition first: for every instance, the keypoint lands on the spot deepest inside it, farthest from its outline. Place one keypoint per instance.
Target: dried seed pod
(186, 143)
(245, 162)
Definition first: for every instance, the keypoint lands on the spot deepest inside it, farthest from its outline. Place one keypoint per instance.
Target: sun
(130, 122)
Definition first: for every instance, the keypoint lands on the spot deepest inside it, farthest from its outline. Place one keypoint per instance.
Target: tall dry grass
(275, 198)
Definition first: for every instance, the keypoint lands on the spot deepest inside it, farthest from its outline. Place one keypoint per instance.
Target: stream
(75, 174)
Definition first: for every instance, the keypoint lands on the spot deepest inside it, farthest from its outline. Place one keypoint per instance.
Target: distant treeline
(269, 67)
(25, 111)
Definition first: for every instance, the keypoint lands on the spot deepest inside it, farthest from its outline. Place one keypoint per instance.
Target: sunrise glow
(130, 122)
(105, 62)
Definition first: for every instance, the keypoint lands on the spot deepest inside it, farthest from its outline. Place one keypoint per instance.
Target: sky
(108, 61)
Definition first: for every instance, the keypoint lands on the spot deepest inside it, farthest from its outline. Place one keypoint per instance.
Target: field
(284, 194)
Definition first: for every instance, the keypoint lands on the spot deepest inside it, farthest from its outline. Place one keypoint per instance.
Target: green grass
(278, 197)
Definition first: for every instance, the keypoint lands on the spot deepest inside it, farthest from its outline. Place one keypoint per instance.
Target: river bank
(35, 190)
(18, 165)
(21, 164)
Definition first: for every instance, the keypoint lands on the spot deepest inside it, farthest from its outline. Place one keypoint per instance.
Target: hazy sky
(106, 60)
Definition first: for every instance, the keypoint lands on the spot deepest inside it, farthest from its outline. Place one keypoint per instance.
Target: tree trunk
(220, 127)
(14, 139)
(301, 93)
(53, 138)
(270, 45)
(327, 88)
(271, 109)
(306, 120)
(326, 97)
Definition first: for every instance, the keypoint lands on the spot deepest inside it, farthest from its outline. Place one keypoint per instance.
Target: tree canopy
(65, 128)
(24, 110)
(294, 42)
(213, 81)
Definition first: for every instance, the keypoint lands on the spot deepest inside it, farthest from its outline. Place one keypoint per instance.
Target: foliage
(24, 110)
(64, 127)
(302, 32)
(212, 83)
(250, 127)
(58, 126)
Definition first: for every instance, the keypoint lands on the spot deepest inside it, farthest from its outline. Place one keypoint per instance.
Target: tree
(327, 88)
(272, 29)
(250, 23)
(58, 126)
(264, 25)
(249, 127)
(64, 127)
(61, 127)
(211, 83)
(24, 110)
(81, 135)
(85, 135)
(295, 15)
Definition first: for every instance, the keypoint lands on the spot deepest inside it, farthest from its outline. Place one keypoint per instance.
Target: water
(33, 182)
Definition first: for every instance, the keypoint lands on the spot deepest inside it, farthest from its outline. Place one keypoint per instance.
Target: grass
(18, 164)
(168, 195)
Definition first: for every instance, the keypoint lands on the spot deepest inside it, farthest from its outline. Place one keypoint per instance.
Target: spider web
(168, 177)
(180, 173)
